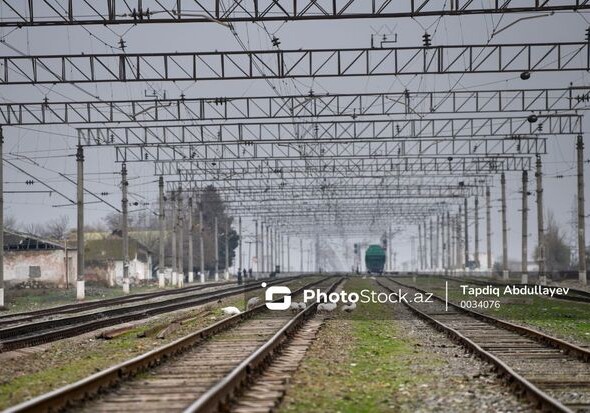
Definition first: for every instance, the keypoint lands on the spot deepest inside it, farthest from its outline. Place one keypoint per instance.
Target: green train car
(375, 259)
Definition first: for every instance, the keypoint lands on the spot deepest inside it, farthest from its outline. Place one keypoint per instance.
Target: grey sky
(52, 147)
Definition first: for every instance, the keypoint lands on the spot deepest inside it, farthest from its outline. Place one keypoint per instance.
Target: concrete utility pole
(216, 250)
(317, 252)
(282, 251)
(270, 241)
(425, 244)
(124, 229)
(443, 247)
(505, 272)
(80, 292)
(180, 265)
(488, 228)
(162, 243)
(413, 253)
(524, 278)
(240, 267)
(191, 229)
(540, 223)
(259, 258)
(453, 247)
(420, 246)
(288, 269)
(459, 253)
(431, 245)
(2, 220)
(226, 248)
(279, 246)
(476, 235)
(174, 239)
(201, 241)
(465, 202)
(301, 255)
(449, 259)
(581, 212)
(438, 248)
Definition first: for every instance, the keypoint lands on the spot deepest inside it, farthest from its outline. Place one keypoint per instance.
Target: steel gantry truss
(322, 187)
(302, 132)
(21, 13)
(316, 63)
(363, 148)
(348, 210)
(292, 170)
(232, 170)
(353, 105)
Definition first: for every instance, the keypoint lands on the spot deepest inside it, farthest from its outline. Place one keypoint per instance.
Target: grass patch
(357, 364)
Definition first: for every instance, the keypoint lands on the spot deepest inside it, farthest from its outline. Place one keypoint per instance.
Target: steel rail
(577, 351)
(219, 397)
(88, 387)
(530, 389)
(91, 305)
(32, 334)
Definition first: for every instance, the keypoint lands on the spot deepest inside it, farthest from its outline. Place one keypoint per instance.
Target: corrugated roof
(15, 241)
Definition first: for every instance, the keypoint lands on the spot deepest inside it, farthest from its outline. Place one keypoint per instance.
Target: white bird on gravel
(349, 307)
(231, 310)
(253, 302)
(327, 307)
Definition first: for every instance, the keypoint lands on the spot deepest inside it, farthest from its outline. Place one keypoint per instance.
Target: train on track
(375, 259)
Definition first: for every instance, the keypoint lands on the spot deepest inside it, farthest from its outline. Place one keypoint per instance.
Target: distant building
(104, 259)
(28, 257)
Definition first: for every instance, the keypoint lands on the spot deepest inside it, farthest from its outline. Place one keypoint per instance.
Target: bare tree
(57, 228)
(34, 228)
(557, 252)
(10, 222)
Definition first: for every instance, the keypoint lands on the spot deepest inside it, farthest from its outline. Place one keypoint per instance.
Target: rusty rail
(533, 392)
(220, 396)
(88, 387)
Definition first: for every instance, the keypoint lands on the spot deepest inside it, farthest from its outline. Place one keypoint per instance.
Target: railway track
(201, 372)
(573, 295)
(27, 316)
(36, 333)
(551, 372)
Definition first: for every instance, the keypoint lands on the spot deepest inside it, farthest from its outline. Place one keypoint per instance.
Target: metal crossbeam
(295, 107)
(256, 195)
(316, 63)
(345, 210)
(21, 13)
(232, 170)
(328, 189)
(398, 148)
(420, 167)
(311, 132)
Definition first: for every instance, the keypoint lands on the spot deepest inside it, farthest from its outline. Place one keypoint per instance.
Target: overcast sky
(53, 147)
